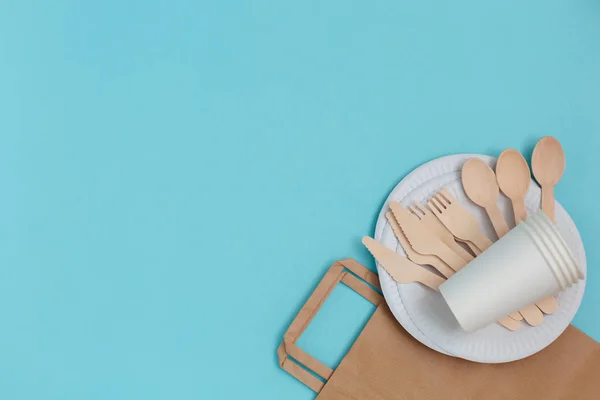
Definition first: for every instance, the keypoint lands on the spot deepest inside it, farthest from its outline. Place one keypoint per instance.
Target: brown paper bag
(386, 363)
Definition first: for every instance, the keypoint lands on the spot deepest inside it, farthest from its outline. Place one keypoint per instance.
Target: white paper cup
(529, 263)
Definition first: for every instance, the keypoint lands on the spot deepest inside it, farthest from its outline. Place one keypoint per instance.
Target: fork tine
(433, 207)
(439, 203)
(447, 195)
(415, 211)
(442, 200)
(422, 208)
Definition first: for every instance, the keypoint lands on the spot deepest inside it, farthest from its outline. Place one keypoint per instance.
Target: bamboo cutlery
(404, 271)
(433, 235)
(400, 268)
(424, 240)
(548, 165)
(415, 257)
(480, 185)
(459, 221)
(512, 173)
(514, 179)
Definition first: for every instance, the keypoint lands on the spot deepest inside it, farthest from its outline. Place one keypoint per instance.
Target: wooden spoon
(480, 185)
(548, 165)
(514, 178)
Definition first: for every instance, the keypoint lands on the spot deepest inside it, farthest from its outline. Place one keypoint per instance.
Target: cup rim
(550, 247)
(564, 250)
(554, 249)
(558, 272)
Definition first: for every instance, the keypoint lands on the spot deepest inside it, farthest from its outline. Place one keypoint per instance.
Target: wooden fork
(413, 255)
(422, 240)
(438, 229)
(459, 221)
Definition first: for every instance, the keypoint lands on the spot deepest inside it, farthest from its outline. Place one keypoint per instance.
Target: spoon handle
(519, 210)
(498, 221)
(532, 315)
(510, 323)
(481, 241)
(548, 305)
(548, 201)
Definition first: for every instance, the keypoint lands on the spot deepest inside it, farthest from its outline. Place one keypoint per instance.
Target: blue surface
(177, 175)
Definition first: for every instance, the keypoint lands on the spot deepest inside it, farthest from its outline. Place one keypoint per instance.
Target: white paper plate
(423, 312)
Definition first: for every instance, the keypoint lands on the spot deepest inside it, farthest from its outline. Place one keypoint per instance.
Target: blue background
(176, 176)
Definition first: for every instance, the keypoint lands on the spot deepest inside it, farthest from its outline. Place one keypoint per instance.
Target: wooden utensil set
(431, 235)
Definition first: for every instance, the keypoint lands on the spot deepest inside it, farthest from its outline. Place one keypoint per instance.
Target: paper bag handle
(292, 358)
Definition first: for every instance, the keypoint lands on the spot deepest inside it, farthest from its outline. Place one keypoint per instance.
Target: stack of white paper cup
(529, 263)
